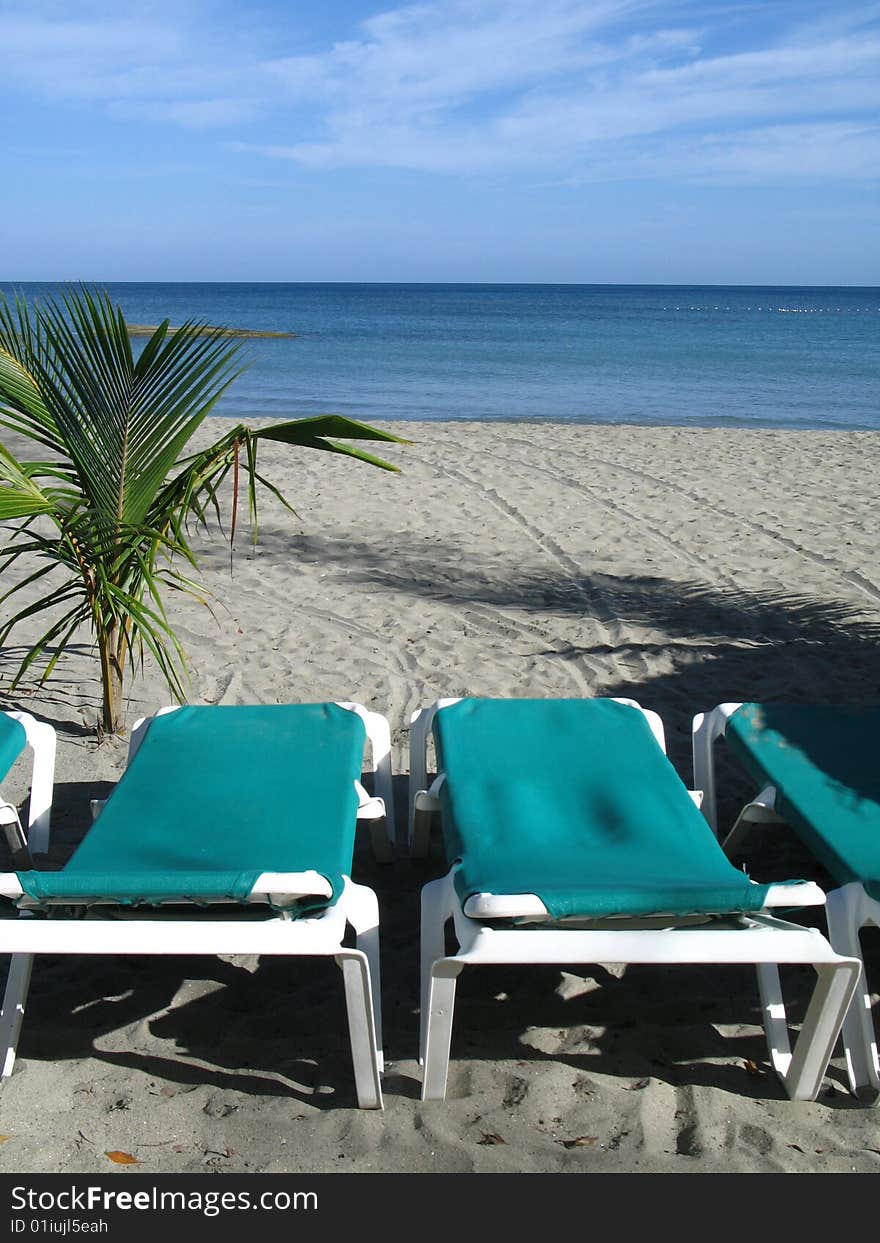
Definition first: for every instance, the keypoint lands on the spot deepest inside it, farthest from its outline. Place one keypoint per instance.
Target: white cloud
(844, 151)
(82, 58)
(172, 65)
(494, 87)
(484, 86)
(196, 114)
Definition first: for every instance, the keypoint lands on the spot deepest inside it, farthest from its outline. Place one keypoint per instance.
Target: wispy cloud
(170, 66)
(591, 88)
(81, 57)
(494, 87)
(843, 150)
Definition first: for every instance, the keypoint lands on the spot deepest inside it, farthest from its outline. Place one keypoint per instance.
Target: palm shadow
(725, 644)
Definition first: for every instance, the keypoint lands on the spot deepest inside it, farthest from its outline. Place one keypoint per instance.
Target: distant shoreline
(147, 330)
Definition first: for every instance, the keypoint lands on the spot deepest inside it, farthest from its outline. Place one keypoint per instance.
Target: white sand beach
(681, 567)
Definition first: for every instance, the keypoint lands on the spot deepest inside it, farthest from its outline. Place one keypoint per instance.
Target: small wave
(782, 310)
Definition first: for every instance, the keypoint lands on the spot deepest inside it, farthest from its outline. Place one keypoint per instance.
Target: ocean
(738, 356)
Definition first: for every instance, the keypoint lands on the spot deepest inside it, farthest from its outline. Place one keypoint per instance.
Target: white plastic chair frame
(848, 908)
(167, 933)
(40, 741)
(760, 939)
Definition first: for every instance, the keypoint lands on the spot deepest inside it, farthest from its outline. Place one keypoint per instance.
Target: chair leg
(437, 1027)
(801, 1069)
(820, 1030)
(361, 1027)
(362, 912)
(773, 1015)
(418, 779)
(844, 914)
(436, 910)
(438, 977)
(43, 742)
(14, 1000)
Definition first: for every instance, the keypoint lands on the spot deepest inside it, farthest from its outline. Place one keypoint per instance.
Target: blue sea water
(740, 356)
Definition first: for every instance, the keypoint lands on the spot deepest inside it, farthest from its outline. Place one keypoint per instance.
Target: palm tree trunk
(111, 650)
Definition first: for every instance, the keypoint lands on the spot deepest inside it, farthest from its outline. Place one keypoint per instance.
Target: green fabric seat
(12, 742)
(824, 763)
(574, 801)
(213, 797)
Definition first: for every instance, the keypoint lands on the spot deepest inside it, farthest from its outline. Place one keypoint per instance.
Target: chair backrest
(575, 801)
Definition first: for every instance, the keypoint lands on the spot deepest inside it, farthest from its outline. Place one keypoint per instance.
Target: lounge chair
(19, 731)
(571, 839)
(231, 831)
(818, 770)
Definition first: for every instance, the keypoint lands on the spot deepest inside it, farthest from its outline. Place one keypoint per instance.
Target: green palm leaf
(20, 496)
(109, 506)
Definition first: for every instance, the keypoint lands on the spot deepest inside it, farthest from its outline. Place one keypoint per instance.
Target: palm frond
(20, 496)
(124, 424)
(111, 503)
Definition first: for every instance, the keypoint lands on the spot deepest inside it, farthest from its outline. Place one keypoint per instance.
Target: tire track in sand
(596, 602)
(541, 538)
(852, 577)
(677, 547)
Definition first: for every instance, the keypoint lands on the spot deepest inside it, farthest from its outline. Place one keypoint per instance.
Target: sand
(681, 567)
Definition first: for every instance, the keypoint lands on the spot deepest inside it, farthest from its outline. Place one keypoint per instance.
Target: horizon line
(475, 284)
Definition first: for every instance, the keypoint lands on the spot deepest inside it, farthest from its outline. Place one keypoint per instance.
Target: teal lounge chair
(20, 732)
(818, 770)
(230, 832)
(571, 839)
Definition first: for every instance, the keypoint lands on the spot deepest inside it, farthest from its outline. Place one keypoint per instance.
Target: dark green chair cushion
(824, 763)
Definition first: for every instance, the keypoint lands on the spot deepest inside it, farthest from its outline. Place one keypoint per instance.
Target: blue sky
(482, 140)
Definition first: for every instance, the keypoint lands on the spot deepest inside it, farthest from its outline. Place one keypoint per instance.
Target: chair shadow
(278, 1030)
(678, 1010)
(277, 1026)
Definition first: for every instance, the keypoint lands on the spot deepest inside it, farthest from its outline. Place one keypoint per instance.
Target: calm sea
(699, 355)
